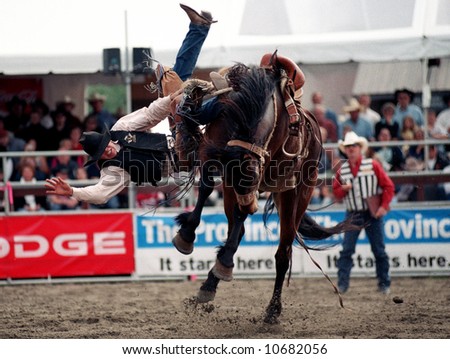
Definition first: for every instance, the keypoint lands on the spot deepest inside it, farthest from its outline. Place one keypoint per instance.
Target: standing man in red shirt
(356, 182)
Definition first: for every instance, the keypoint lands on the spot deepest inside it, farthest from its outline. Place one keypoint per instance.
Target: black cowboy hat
(94, 144)
(406, 91)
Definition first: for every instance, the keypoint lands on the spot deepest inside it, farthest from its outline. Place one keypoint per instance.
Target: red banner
(28, 89)
(66, 245)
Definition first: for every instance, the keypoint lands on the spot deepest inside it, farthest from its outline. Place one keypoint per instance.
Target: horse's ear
(269, 61)
(273, 59)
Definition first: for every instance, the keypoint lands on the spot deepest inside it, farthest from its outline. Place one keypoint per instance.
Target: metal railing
(167, 185)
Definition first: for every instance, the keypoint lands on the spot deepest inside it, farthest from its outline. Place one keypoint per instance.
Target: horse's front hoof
(271, 319)
(181, 245)
(221, 272)
(205, 296)
(273, 311)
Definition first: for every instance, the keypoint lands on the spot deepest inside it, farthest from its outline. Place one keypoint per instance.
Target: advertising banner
(66, 245)
(417, 242)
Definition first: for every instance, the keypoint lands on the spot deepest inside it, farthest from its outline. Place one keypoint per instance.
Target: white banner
(417, 242)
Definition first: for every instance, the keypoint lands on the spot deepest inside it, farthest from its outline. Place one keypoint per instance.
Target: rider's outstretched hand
(57, 185)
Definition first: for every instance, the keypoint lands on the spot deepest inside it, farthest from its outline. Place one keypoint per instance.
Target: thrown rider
(122, 152)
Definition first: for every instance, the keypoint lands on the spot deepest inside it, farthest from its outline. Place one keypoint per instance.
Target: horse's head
(243, 167)
(249, 114)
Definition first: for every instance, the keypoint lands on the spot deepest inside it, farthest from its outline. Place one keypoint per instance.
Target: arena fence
(135, 244)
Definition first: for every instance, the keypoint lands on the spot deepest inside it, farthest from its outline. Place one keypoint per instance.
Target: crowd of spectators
(34, 127)
(399, 120)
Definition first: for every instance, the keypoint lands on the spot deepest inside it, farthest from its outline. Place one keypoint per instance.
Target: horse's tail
(310, 229)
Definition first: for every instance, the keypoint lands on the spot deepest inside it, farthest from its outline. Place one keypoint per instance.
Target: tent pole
(426, 102)
(127, 73)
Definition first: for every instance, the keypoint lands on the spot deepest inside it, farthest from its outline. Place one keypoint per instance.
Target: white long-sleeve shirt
(114, 179)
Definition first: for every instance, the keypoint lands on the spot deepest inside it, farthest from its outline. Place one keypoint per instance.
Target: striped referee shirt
(368, 178)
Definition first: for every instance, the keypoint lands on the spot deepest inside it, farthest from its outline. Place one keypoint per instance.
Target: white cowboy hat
(353, 105)
(351, 138)
(97, 97)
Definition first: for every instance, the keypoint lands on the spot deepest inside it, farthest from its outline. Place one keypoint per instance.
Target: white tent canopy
(63, 36)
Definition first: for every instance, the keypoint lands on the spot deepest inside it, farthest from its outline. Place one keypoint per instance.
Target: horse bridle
(252, 147)
(259, 151)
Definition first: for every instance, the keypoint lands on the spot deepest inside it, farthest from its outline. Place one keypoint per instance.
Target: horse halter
(259, 151)
(261, 154)
(252, 147)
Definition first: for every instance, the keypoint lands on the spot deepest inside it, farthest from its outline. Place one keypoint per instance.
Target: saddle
(292, 87)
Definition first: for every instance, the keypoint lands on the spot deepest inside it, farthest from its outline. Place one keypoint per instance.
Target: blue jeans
(185, 64)
(190, 50)
(375, 234)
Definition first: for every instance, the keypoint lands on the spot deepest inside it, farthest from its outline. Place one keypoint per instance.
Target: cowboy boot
(167, 80)
(204, 18)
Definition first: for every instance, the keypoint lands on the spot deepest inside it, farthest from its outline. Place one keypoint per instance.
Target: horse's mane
(244, 107)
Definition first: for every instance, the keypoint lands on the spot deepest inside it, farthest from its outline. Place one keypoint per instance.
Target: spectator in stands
(91, 124)
(443, 119)
(322, 196)
(109, 149)
(75, 145)
(418, 151)
(373, 116)
(41, 107)
(58, 132)
(404, 98)
(408, 191)
(16, 118)
(434, 128)
(407, 132)
(326, 123)
(63, 163)
(437, 161)
(356, 122)
(34, 130)
(317, 100)
(29, 202)
(387, 121)
(9, 143)
(408, 129)
(446, 185)
(391, 157)
(104, 117)
(39, 163)
(67, 105)
(353, 184)
(5, 172)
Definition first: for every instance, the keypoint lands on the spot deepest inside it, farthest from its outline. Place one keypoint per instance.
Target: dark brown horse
(256, 147)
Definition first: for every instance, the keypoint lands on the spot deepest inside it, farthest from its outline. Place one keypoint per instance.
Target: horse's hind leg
(189, 221)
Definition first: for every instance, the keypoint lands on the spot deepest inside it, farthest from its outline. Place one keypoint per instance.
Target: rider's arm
(146, 117)
(112, 181)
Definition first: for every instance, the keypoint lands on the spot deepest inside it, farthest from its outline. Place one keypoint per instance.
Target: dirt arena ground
(158, 310)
